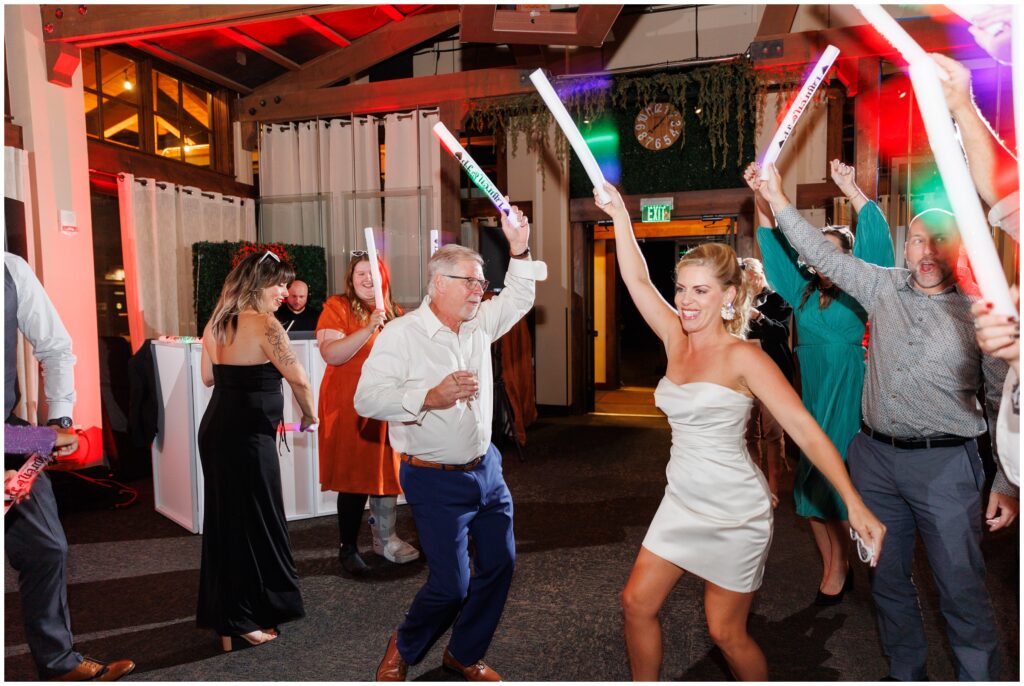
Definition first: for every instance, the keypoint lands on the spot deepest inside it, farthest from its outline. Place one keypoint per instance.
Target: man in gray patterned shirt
(916, 460)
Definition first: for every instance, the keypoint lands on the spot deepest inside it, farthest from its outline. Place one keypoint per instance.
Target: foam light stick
(799, 106)
(474, 172)
(378, 286)
(963, 197)
(294, 427)
(22, 481)
(554, 103)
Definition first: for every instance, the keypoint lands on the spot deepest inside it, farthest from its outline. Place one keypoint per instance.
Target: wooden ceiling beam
(392, 12)
(256, 46)
(189, 65)
(776, 19)
(854, 42)
(386, 96)
(377, 46)
(488, 24)
(324, 30)
(107, 24)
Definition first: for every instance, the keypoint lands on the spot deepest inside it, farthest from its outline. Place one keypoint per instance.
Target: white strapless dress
(715, 520)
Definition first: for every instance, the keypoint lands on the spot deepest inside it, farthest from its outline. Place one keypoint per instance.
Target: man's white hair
(446, 259)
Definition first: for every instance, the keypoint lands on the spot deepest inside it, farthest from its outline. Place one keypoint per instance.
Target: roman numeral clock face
(658, 126)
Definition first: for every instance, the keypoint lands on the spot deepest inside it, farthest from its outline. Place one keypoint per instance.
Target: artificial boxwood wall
(211, 263)
(681, 167)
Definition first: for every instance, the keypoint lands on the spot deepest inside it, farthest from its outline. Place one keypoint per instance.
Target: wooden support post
(867, 124)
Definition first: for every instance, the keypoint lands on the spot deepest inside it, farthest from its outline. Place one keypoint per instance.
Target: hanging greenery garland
(727, 94)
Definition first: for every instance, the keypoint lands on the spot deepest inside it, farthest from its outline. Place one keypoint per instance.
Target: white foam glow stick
(378, 286)
(963, 197)
(803, 99)
(435, 240)
(554, 103)
(474, 172)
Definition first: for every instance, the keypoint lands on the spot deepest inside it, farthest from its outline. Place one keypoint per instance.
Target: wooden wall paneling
(223, 158)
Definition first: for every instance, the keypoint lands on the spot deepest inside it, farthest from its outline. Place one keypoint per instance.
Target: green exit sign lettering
(656, 213)
(656, 209)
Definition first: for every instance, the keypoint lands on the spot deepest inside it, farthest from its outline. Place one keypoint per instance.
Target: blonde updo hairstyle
(723, 263)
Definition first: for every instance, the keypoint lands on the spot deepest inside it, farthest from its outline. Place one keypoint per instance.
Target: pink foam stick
(292, 426)
(22, 482)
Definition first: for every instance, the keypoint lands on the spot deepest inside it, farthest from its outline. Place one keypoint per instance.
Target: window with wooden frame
(142, 105)
(111, 97)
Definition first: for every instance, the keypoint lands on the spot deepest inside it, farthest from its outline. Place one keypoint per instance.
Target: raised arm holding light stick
(568, 126)
(963, 197)
(475, 173)
(803, 99)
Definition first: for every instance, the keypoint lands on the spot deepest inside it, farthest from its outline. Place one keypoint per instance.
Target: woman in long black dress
(248, 583)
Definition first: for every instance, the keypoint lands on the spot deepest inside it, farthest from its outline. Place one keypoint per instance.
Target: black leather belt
(941, 441)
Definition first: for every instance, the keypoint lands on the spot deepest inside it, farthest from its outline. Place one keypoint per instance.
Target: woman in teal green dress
(830, 349)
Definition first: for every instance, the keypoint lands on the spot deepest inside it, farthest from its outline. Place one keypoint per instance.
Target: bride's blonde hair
(722, 261)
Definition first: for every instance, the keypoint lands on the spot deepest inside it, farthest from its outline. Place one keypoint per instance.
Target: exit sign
(656, 209)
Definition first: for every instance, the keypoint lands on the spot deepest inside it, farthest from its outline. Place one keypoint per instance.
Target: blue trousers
(449, 507)
(36, 548)
(935, 492)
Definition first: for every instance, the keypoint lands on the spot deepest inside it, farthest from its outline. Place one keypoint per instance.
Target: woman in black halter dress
(248, 582)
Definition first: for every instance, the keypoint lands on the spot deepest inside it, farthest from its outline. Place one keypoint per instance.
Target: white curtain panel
(159, 224)
(430, 171)
(402, 231)
(334, 159)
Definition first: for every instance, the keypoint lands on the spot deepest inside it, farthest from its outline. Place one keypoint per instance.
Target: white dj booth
(177, 472)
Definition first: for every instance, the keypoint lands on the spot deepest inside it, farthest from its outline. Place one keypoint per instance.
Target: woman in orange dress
(356, 458)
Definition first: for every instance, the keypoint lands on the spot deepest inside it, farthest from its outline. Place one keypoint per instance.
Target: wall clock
(658, 126)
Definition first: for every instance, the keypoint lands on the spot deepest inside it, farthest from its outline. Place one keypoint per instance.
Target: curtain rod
(162, 185)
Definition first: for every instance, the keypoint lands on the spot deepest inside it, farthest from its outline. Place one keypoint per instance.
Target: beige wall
(669, 36)
(549, 241)
(53, 122)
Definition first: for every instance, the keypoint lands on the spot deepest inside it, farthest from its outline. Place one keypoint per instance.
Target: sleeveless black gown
(247, 579)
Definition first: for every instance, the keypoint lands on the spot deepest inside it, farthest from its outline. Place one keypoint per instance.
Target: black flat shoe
(351, 562)
(828, 599)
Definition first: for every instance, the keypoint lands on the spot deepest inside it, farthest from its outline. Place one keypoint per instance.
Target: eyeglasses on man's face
(471, 282)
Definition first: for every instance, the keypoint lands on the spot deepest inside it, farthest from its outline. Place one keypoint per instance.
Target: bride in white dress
(715, 520)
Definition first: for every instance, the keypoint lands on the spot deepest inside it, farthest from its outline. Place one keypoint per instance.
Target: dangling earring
(728, 312)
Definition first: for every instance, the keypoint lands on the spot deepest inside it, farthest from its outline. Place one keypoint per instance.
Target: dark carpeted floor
(583, 501)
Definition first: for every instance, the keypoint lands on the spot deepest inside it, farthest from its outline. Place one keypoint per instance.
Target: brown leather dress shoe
(475, 672)
(392, 667)
(94, 670)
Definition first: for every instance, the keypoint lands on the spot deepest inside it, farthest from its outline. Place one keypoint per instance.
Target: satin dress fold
(715, 520)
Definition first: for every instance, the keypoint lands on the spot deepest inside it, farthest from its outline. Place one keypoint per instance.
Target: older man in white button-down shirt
(429, 377)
